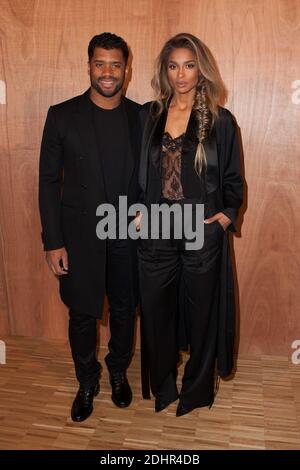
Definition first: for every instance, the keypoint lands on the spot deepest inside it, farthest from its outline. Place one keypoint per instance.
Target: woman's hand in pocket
(137, 220)
(222, 219)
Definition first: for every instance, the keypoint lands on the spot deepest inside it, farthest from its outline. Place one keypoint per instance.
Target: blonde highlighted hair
(210, 91)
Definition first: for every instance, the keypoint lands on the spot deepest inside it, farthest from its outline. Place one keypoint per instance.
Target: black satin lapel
(143, 170)
(148, 126)
(156, 139)
(190, 138)
(212, 174)
(87, 135)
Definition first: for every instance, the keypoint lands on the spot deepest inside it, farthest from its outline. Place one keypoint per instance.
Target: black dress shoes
(182, 410)
(167, 393)
(82, 406)
(121, 391)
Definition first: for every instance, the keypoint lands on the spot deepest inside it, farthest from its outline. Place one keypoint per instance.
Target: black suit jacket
(71, 187)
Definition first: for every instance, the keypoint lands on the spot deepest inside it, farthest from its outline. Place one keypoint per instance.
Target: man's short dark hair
(108, 41)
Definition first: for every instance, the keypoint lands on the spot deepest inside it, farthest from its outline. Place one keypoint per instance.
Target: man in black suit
(89, 156)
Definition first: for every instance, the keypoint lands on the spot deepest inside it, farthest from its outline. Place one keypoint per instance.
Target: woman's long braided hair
(210, 92)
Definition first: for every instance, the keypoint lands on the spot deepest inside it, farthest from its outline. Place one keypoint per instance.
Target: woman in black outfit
(190, 155)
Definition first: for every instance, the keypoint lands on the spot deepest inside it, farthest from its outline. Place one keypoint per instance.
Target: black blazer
(71, 186)
(223, 192)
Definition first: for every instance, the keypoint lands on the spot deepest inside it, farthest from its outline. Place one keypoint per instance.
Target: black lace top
(171, 166)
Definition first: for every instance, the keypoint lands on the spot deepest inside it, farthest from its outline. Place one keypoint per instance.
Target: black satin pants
(168, 271)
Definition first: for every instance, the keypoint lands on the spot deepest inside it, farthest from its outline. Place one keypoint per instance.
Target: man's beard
(107, 93)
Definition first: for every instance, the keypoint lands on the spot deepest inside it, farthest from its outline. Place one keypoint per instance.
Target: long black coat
(224, 189)
(71, 186)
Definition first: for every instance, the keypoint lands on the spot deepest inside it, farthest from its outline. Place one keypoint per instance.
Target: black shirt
(111, 129)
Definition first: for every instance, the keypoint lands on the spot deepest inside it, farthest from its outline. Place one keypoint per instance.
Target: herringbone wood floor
(258, 409)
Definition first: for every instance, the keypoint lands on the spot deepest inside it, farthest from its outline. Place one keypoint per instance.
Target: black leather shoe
(121, 391)
(82, 406)
(167, 392)
(182, 410)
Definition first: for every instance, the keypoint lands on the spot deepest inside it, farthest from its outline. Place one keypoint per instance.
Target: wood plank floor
(258, 409)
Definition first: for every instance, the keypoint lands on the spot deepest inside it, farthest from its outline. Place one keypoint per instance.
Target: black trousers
(82, 326)
(165, 268)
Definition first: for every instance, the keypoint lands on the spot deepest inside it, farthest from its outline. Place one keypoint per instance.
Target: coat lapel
(212, 175)
(156, 141)
(151, 144)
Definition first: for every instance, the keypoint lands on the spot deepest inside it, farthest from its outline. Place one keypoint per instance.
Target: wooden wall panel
(43, 48)
(5, 187)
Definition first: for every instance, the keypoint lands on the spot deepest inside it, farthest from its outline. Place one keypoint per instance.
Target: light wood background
(43, 47)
